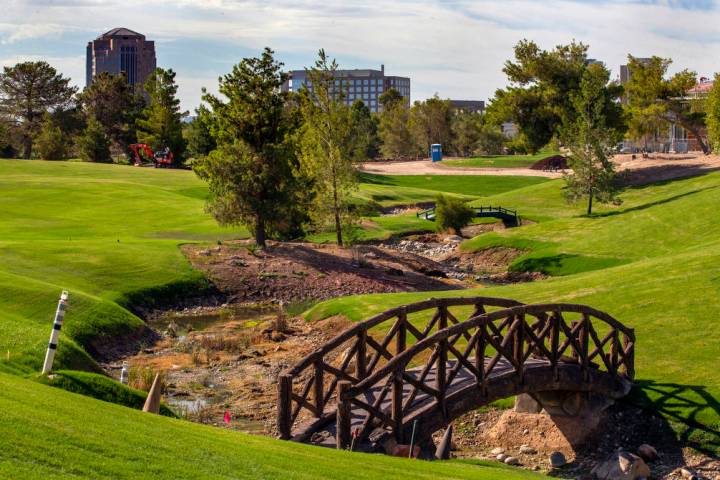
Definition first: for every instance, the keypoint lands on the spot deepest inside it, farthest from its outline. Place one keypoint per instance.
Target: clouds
(455, 48)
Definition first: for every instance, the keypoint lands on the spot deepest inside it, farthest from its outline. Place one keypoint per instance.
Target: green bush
(93, 144)
(50, 142)
(451, 213)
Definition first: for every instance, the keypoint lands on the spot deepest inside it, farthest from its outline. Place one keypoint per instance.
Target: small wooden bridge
(420, 365)
(504, 214)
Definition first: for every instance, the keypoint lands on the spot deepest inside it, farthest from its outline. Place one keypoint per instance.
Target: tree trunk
(28, 147)
(260, 232)
(336, 210)
(590, 199)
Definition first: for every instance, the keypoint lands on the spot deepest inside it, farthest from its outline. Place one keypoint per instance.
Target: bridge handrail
(480, 209)
(523, 339)
(290, 403)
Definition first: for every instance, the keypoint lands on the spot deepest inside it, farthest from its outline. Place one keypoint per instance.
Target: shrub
(142, 378)
(93, 144)
(50, 142)
(452, 213)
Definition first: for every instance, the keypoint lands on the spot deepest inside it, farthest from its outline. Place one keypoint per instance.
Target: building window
(128, 63)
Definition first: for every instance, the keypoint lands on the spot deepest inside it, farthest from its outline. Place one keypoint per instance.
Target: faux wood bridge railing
(527, 348)
(306, 393)
(489, 211)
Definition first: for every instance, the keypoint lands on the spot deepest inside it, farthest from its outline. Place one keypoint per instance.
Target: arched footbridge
(419, 366)
(509, 217)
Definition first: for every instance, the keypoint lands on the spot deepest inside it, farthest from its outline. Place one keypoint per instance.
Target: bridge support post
(343, 419)
(284, 422)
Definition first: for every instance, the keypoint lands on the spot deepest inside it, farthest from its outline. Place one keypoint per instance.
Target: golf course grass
(110, 235)
(652, 262)
(50, 434)
(498, 161)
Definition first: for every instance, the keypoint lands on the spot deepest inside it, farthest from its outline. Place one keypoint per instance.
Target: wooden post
(628, 344)
(398, 384)
(441, 373)
(284, 423)
(361, 359)
(518, 344)
(344, 414)
(480, 358)
(584, 343)
(318, 384)
(573, 352)
(614, 345)
(555, 344)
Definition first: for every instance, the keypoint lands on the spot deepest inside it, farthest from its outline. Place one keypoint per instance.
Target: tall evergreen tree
(329, 144)
(50, 142)
(28, 90)
(160, 124)
(200, 141)
(111, 101)
(592, 135)
(251, 173)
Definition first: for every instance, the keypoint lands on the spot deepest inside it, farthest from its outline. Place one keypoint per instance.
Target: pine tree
(94, 145)
(592, 136)
(50, 142)
(160, 124)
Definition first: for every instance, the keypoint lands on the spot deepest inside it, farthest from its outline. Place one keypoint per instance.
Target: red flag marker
(226, 419)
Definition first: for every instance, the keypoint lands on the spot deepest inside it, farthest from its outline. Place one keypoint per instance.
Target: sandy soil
(426, 167)
(639, 170)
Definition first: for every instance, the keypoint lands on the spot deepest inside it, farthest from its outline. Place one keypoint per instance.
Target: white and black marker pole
(57, 325)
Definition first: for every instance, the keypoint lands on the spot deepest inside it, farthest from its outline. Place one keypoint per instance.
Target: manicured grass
(470, 185)
(499, 161)
(49, 433)
(653, 263)
(106, 233)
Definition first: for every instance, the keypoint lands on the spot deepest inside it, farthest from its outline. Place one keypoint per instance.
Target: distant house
(468, 106)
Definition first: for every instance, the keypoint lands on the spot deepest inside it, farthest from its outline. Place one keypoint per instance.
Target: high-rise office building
(362, 84)
(121, 50)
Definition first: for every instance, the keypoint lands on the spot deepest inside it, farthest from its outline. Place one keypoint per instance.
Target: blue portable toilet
(436, 152)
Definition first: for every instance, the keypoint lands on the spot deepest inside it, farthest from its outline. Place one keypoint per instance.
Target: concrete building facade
(360, 84)
(121, 50)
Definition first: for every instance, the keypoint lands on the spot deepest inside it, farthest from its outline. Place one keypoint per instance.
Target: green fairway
(653, 263)
(48, 433)
(498, 161)
(470, 185)
(107, 234)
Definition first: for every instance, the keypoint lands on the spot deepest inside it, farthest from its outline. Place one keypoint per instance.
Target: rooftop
(121, 32)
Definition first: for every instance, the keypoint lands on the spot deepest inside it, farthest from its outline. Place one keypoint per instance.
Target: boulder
(621, 466)
(557, 459)
(512, 461)
(497, 450)
(501, 457)
(647, 452)
(527, 450)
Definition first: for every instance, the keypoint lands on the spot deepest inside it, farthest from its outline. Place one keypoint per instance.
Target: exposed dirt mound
(489, 260)
(554, 163)
(301, 271)
(623, 426)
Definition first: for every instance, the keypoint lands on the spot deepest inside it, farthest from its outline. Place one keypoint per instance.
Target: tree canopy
(655, 101)
(251, 174)
(29, 90)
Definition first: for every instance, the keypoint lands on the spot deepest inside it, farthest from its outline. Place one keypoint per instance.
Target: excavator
(161, 158)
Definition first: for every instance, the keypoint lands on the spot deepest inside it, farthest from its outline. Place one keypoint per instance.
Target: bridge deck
(464, 378)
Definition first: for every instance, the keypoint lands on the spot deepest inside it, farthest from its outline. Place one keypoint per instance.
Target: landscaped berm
(411, 343)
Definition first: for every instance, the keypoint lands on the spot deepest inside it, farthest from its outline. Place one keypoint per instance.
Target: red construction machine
(161, 158)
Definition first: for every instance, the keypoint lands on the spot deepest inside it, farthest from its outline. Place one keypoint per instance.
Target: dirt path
(425, 167)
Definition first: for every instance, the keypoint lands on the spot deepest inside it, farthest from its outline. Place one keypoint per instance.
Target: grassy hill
(653, 263)
(49, 434)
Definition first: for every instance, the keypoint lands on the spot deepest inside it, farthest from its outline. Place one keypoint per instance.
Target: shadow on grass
(650, 204)
(565, 264)
(693, 411)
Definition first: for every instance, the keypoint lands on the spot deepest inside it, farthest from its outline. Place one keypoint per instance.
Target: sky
(454, 48)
